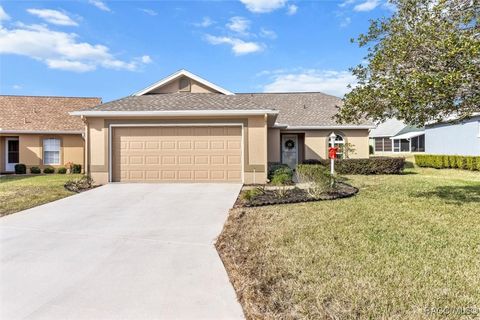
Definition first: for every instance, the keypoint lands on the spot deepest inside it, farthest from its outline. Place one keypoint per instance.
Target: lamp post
(332, 137)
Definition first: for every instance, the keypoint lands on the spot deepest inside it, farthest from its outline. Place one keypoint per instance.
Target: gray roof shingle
(295, 109)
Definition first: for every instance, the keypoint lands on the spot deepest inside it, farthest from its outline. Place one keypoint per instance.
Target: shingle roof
(30, 113)
(180, 101)
(296, 109)
(302, 108)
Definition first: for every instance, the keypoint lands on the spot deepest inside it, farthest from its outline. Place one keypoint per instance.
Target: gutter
(39, 132)
(173, 113)
(324, 127)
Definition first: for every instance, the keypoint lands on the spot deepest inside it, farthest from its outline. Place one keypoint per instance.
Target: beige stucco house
(187, 129)
(38, 131)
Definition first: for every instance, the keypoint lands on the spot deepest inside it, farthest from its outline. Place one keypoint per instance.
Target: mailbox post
(332, 152)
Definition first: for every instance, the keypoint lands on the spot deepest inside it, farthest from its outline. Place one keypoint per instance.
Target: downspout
(266, 147)
(86, 168)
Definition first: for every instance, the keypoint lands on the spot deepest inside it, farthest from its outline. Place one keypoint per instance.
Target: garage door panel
(152, 145)
(198, 154)
(184, 145)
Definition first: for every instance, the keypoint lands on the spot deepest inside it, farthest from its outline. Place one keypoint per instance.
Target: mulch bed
(295, 195)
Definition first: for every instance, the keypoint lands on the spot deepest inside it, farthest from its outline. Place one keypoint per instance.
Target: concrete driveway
(121, 251)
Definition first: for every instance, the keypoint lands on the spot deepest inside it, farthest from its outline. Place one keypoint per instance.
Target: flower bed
(265, 197)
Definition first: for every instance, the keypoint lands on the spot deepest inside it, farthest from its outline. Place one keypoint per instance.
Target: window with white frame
(51, 151)
(340, 144)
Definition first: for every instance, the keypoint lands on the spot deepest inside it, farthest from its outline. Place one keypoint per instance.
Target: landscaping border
(239, 203)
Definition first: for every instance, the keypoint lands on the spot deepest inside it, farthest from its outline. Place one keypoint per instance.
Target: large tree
(423, 64)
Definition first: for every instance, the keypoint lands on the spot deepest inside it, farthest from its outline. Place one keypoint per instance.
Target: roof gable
(165, 82)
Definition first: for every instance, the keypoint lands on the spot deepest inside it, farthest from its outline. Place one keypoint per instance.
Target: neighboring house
(38, 131)
(185, 128)
(454, 138)
(394, 136)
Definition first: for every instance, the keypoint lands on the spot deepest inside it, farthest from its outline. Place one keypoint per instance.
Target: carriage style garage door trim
(173, 175)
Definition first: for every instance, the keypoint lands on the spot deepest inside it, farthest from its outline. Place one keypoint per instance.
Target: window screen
(379, 144)
(51, 151)
(387, 144)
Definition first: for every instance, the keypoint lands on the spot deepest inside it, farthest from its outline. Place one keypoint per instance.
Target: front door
(290, 150)
(11, 154)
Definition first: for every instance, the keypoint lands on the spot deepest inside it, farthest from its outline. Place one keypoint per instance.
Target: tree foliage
(423, 64)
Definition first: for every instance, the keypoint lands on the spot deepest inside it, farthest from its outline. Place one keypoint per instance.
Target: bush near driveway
(80, 184)
(471, 163)
(373, 165)
(403, 244)
(22, 192)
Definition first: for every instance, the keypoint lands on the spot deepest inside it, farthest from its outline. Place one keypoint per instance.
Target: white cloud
(53, 16)
(17, 87)
(265, 33)
(327, 81)
(61, 50)
(146, 59)
(292, 9)
(100, 5)
(239, 47)
(346, 3)
(3, 15)
(263, 6)
(238, 25)
(368, 5)
(206, 22)
(390, 6)
(68, 65)
(345, 22)
(150, 12)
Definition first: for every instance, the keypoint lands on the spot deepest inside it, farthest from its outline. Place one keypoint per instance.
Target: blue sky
(111, 49)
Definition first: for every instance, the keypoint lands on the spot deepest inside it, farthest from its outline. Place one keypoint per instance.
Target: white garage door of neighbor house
(177, 154)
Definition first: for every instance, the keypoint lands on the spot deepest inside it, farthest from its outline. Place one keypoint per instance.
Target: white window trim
(59, 152)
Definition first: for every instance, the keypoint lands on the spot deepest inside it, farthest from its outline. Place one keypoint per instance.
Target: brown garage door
(177, 154)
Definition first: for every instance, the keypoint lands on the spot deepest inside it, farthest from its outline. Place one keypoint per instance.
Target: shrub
(80, 184)
(62, 170)
(280, 172)
(274, 166)
(370, 149)
(282, 176)
(373, 165)
(48, 170)
(448, 161)
(20, 168)
(317, 177)
(250, 194)
(35, 170)
(76, 168)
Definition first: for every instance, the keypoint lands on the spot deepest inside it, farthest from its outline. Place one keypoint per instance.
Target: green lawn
(403, 244)
(22, 192)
